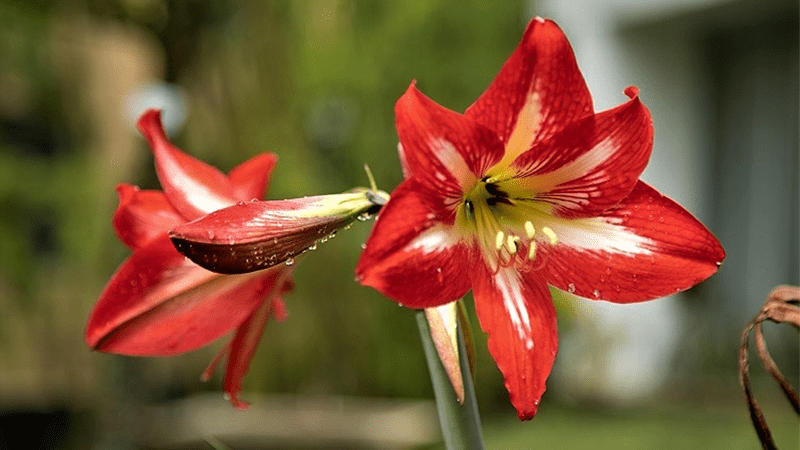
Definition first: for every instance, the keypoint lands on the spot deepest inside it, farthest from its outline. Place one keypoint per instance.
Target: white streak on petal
(450, 158)
(433, 240)
(507, 282)
(601, 234)
(201, 196)
(528, 122)
(578, 168)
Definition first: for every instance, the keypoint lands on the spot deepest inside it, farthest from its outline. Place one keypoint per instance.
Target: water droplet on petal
(210, 234)
(596, 293)
(312, 246)
(290, 261)
(571, 288)
(240, 203)
(253, 200)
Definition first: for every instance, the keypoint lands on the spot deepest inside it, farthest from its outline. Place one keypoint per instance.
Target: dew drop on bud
(290, 262)
(312, 246)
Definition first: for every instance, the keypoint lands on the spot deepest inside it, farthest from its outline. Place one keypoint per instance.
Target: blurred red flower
(158, 302)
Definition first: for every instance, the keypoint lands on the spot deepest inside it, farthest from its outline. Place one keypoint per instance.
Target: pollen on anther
(532, 250)
(529, 230)
(499, 240)
(511, 244)
(550, 235)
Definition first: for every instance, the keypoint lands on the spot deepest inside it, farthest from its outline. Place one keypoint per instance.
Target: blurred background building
(315, 81)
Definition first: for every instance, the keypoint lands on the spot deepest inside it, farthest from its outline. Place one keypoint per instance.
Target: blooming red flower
(160, 303)
(529, 188)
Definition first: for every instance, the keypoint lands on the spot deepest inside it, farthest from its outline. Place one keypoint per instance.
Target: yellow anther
(529, 230)
(550, 235)
(511, 244)
(499, 240)
(532, 250)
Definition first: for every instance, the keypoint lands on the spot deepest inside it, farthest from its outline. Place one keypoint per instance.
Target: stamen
(511, 244)
(532, 250)
(499, 239)
(550, 234)
(529, 230)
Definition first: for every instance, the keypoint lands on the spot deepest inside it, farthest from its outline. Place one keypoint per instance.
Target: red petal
(159, 303)
(646, 247)
(279, 306)
(250, 179)
(411, 257)
(590, 165)
(442, 148)
(143, 215)
(517, 312)
(536, 93)
(243, 348)
(257, 235)
(212, 366)
(193, 187)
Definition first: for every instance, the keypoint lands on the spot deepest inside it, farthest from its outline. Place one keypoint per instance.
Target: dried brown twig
(781, 307)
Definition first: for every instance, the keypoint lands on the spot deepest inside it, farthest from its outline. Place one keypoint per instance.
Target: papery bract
(530, 187)
(158, 302)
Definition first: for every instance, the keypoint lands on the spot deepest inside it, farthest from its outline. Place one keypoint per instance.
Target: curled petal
(159, 303)
(250, 179)
(256, 235)
(193, 187)
(591, 164)
(411, 257)
(538, 91)
(143, 215)
(644, 248)
(518, 314)
(248, 335)
(442, 148)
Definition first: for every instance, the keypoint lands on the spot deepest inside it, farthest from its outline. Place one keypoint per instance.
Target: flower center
(508, 229)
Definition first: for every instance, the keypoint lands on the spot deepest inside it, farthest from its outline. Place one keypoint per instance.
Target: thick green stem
(461, 424)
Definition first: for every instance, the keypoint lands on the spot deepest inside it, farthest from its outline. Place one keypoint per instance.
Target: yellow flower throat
(507, 228)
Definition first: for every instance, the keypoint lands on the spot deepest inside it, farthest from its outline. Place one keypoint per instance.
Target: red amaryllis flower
(160, 303)
(529, 188)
